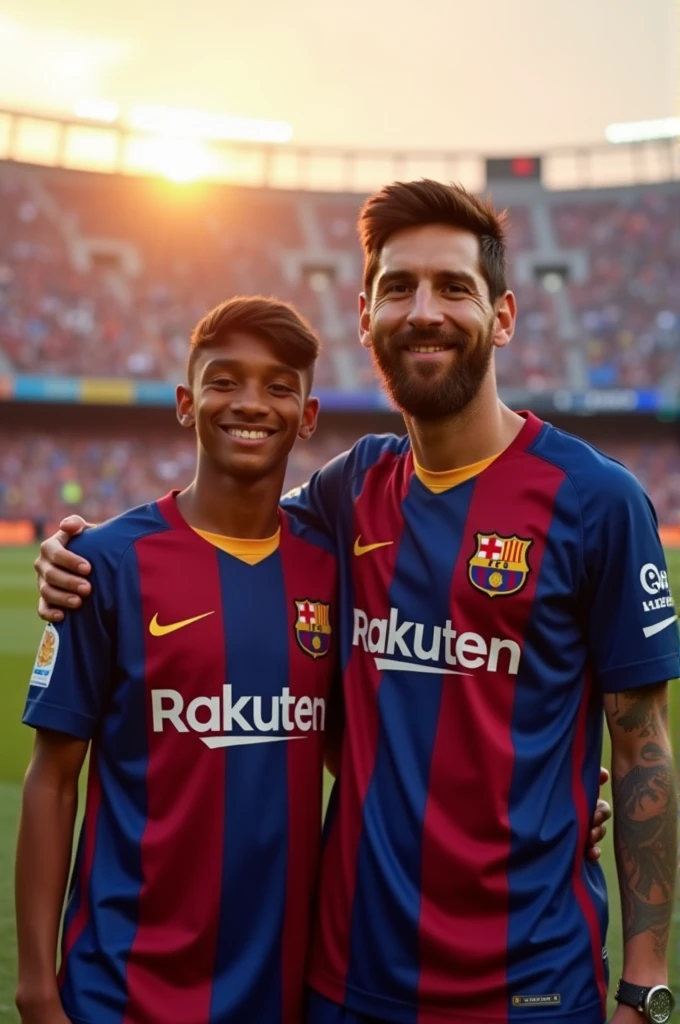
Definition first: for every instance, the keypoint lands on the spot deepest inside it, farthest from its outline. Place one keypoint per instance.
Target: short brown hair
(415, 204)
(279, 323)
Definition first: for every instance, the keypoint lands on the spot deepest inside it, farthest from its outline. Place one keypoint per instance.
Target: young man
(199, 678)
(454, 885)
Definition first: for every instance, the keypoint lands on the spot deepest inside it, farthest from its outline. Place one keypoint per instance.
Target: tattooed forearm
(645, 814)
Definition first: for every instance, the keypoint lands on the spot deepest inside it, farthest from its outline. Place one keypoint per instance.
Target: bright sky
(492, 75)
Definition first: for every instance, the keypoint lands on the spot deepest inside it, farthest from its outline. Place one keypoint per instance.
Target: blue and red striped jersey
(479, 629)
(203, 684)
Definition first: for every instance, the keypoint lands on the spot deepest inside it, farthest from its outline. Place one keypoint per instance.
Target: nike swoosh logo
(363, 549)
(156, 629)
(658, 626)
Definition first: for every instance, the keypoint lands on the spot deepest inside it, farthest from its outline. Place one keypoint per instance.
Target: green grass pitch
(19, 634)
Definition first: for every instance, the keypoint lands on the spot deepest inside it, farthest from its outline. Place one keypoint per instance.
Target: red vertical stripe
(310, 574)
(377, 519)
(80, 919)
(170, 966)
(464, 909)
(583, 818)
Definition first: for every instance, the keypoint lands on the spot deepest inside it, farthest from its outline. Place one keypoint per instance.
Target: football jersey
(203, 683)
(479, 629)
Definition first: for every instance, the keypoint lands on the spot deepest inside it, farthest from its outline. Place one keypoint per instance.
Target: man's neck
(482, 429)
(221, 504)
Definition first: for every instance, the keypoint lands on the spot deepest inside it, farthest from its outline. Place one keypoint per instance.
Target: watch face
(660, 1004)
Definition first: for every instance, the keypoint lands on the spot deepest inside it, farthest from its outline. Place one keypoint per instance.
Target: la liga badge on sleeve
(46, 657)
(499, 566)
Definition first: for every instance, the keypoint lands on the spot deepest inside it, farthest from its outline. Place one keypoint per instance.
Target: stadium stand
(105, 276)
(44, 477)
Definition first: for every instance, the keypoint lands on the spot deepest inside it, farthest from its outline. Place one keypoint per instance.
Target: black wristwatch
(656, 1004)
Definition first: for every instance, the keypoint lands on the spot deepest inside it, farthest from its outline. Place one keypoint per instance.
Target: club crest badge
(313, 627)
(46, 657)
(499, 566)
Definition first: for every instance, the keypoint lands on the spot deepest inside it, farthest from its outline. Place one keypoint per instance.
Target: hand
(41, 1011)
(60, 572)
(603, 812)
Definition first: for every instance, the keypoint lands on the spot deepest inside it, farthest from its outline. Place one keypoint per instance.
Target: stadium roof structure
(73, 143)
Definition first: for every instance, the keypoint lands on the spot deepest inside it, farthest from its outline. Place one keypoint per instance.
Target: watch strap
(631, 995)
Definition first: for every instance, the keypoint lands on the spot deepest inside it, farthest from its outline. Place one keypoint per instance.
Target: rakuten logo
(253, 717)
(414, 640)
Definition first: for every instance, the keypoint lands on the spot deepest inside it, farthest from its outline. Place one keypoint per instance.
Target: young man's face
(430, 321)
(247, 406)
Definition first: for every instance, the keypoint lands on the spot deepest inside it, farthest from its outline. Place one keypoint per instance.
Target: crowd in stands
(628, 307)
(106, 276)
(45, 477)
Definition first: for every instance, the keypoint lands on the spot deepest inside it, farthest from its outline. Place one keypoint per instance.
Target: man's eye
(222, 382)
(456, 289)
(396, 289)
(281, 389)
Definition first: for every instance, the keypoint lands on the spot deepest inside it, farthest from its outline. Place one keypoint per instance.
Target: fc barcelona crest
(313, 627)
(499, 565)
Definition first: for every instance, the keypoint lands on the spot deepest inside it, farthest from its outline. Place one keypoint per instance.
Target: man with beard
(494, 573)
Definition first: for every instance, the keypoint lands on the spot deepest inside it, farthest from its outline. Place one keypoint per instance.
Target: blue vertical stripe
(93, 982)
(549, 947)
(248, 958)
(421, 590)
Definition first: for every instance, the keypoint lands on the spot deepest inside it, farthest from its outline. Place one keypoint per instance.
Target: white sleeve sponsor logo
(654, 581)
(46, 658)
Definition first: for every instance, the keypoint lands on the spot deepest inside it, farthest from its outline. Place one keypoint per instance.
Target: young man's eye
(222, 382)
(281, 389)
(396, 289)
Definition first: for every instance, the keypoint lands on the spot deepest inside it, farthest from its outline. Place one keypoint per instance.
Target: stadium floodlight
(643, 131)
(97, 110)
(199, 124)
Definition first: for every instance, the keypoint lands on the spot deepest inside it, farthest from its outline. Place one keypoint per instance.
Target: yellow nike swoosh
(363, 549)
(157, 630)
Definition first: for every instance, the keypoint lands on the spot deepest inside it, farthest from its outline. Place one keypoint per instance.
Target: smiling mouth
(248, 433)
(428, 349)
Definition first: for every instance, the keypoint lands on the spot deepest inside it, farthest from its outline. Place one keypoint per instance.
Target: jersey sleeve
(632, 623)
(74, 666)
(317, 503)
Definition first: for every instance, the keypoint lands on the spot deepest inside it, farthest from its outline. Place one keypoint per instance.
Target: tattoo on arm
(645, 814)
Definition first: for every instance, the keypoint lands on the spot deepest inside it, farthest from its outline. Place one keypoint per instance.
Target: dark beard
(424, 392)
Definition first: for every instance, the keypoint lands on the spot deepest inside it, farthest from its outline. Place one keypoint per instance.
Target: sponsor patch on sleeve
(46, 657)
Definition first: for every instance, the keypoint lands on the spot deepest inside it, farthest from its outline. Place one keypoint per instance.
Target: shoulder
(597, 479)
(105, 545)
(332, 480)
(366, 453)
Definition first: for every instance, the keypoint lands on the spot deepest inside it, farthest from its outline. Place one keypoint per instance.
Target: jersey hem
(397, 1012)
(641, 673)
(41, 715)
